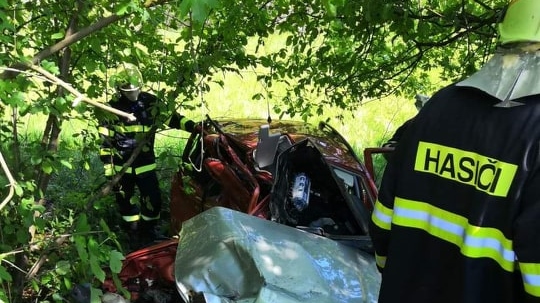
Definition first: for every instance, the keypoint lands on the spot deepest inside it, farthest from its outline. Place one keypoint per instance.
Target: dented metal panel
(228, 256)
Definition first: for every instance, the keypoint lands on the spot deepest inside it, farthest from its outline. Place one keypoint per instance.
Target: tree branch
(79, 96)
(69, 40)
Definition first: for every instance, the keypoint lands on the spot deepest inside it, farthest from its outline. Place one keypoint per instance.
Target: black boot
(150, 232)
(132, 231)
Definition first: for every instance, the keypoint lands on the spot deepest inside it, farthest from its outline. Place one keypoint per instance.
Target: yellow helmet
(521, 22)
(128, 80)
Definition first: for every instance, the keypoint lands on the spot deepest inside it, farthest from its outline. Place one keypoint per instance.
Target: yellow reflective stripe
(109, 170)
(131, 128)
(145, 168)
(531, 277)
(138, 170)
(382, 216)
(380, 260)
(131, 218)
(104, 151)
(183, 122)
(474, 241)
(146, 218)
(486, 174)
(105, 131)
(118, 168)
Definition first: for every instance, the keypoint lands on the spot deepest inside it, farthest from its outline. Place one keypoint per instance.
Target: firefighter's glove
(199, 128)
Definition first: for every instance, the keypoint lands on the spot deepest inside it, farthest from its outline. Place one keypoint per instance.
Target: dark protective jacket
(458, 213)
(120, 137)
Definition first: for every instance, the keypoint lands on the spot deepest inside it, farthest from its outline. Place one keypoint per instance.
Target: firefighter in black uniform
(458, 213)
(119, 139)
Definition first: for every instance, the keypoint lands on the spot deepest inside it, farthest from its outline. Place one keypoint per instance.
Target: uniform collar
(510, 74)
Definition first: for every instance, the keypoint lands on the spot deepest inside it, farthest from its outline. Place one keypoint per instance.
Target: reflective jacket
(120, 137)
(458, 213)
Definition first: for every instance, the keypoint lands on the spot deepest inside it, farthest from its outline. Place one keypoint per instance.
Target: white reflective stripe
(382, 216)
(430, 219)
(483, 242)
(531, 279)
(473, 241)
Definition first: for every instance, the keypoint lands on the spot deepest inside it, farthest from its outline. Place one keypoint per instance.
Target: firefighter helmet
(128, 81)
(521, 22)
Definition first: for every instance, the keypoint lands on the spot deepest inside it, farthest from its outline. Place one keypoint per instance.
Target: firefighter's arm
(179, 121)
(381, 218)
(527, 239)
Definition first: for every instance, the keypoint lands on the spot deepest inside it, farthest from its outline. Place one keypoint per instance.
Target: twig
(15, 266)
(11, 180)
(79, 96)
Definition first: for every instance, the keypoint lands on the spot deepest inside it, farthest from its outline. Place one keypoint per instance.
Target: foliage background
(357, 64)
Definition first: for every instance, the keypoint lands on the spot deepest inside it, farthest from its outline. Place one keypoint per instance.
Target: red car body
(222, 167)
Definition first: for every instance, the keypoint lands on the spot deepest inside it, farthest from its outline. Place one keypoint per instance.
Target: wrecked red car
(245, 164)
(264, 212)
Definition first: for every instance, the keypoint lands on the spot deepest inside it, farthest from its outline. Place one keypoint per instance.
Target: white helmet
(128, 80)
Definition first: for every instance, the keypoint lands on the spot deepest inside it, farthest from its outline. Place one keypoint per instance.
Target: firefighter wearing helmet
(458, 210)
(119, 140)
(128, 81)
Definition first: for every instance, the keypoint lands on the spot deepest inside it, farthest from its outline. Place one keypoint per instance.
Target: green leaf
(62, 267)
(330, 8)
(47, 167)
(57, 36)
(67, 283)
(122, 9)
(57, 297)
(23, 236)
(115, 261)
(185, 7)
(17, 98)
(82, 224)
(4, 275)
(37, 207)
(80, 244)
(104, 226)
(95, 294)
(200, 9)
(50, 67)
(93, 247)
(27, 204)
(97, 271)
(18, 190)
(66, 163)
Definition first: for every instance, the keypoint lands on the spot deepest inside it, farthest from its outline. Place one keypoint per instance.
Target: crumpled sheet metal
(510, 74)
(229, 256)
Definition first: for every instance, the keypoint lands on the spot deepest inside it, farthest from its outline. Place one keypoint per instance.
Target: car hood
(229, 256)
